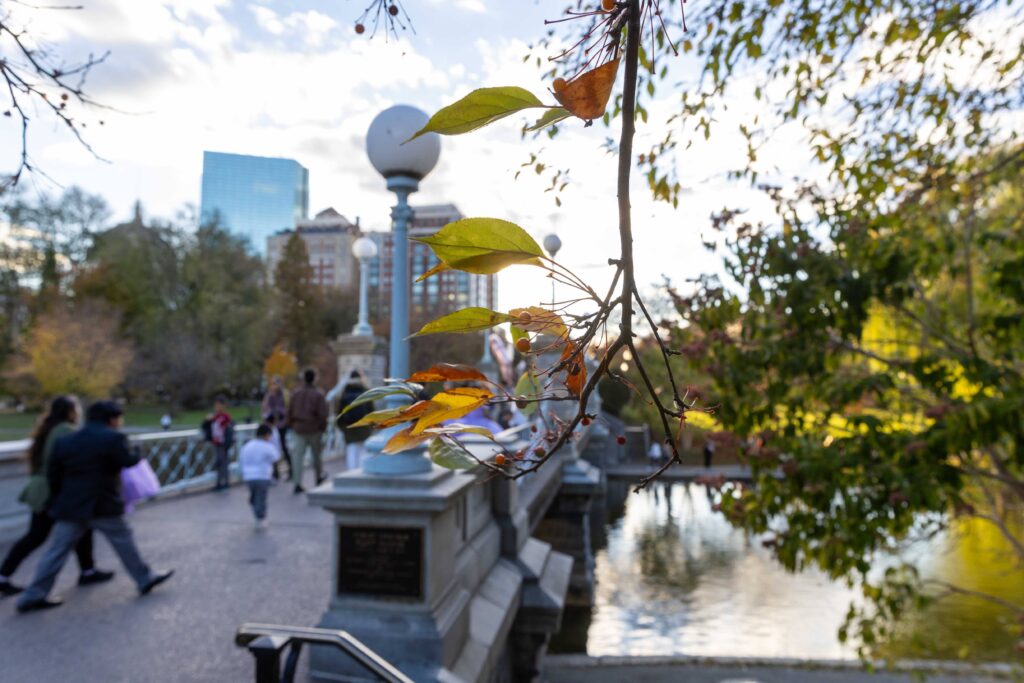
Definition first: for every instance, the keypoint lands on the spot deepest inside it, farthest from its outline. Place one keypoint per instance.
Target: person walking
(275, 413)
(257, 463)
(307, 418)
(59, 421)
(709, 451)
(219, 430)
(84, 474)
(354, 436)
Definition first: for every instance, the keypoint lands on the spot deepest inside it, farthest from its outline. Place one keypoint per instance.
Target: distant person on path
(654, 454)
(709, 451)
(275, 413)
(219, 430)
(60, 420)
(307, 418)
(354, 436)
(84, 473)
(257, 463)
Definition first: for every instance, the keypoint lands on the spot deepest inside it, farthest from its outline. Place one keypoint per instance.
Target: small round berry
(521, 403)
(519, 455)
(539, 452)
(393, 10)
(533, 428)
(499, 459)
(585, 422)
(607, 5)
(523, 345)
(360, 29)
(559, 85)
(620, 440)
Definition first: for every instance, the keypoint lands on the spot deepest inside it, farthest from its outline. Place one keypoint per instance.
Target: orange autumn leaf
(409, 414)
(576, 371)
(586, 96)
(537, 319)
(404, 440)
(448, 372)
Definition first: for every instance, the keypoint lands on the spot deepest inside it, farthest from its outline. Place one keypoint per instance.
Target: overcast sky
(292, 79)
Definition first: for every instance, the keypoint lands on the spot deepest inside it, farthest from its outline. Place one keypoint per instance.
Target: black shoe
(42, 603)
(97, 576)
(157, 579)
(8, 589)
(298, 489)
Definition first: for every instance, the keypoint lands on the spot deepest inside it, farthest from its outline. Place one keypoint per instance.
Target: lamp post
(552, 244)
(403, 164)
(363, 249)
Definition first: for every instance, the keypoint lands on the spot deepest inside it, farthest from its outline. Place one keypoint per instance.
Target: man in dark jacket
(85, 484)
(307, 418)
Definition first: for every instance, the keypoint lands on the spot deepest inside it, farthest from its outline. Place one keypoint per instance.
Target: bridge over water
(228, 574)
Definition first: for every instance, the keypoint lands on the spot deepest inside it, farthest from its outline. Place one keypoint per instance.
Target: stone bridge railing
(181, 459)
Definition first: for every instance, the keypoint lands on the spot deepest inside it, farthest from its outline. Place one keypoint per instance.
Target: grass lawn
(15, 425)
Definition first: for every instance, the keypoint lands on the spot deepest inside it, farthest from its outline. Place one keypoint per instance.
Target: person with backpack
(354, 436)
(307, 418)
(219, 429)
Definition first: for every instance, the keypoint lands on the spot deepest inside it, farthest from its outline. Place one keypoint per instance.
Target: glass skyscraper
(253, 196)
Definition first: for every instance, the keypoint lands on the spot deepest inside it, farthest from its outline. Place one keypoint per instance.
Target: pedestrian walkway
(227, 574)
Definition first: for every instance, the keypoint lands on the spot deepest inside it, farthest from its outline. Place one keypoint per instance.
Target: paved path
(227, 573)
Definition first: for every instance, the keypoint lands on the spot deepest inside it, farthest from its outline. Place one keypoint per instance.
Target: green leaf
(550, 117)
(470, 319)
(478, 109)
(378, 393)
(483, 246)
(459, 428)
(517, 333)
(449, 456)
(528, 386)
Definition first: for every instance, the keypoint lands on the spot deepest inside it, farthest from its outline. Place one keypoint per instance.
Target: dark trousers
(65, 534)
(38, 530)
(258, 496)
(221, 464)
(286, 457)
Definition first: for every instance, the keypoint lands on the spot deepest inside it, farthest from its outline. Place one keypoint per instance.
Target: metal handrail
(266, 642)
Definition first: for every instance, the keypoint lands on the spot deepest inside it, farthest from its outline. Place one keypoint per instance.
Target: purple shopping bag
(138, 483)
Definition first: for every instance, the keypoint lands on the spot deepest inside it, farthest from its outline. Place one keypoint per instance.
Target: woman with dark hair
(60, 420)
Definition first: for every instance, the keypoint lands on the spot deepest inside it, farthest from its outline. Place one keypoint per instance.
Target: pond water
(673, 577)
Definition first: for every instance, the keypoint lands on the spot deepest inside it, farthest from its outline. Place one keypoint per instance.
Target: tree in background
(135, 269)
(60, 226)
(299, 305)
(78, 350)
(281, 364)
(872, 353)
(224, 304)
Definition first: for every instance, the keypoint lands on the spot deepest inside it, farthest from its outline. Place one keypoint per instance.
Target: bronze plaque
(376, 560)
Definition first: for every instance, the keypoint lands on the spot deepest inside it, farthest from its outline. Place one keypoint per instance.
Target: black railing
(267, 643)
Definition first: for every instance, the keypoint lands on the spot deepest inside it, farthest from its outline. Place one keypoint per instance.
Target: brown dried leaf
(586, 96)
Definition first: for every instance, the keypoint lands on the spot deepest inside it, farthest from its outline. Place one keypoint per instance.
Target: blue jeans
(65, 535)
(258, 496)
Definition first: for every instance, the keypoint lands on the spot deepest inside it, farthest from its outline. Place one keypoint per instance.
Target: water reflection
(676, 578)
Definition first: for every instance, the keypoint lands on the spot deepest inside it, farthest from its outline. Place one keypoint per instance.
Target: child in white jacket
(257, 462)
